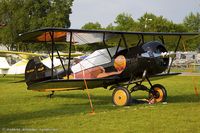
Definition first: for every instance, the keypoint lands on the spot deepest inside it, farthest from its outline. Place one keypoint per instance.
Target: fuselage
(146, 57)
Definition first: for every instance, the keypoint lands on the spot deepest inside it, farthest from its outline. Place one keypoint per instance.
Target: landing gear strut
(122, 96)
(51, 95)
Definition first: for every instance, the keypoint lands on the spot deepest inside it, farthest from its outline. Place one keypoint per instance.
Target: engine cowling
(157, 63)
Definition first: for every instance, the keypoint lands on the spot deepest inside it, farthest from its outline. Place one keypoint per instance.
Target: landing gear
(51, 95)
(121, 96)
(158, 93)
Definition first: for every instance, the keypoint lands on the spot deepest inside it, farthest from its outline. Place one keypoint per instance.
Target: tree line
(149, 23)
(152, 23)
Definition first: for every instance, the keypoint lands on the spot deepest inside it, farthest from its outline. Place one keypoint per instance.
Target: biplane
(126, 61)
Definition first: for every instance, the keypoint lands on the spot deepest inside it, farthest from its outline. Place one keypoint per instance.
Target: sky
(105, 11)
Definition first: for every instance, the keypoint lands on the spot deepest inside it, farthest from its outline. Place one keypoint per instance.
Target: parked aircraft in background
(13, 62)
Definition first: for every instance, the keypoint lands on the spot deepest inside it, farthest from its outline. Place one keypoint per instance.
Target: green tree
(192, 22)
(178, 28)
(147, 22)
(125, 22)
(110, 27)
(49, 13)
(10, 14)
(92, 26)
(153, 23)
(24, 15)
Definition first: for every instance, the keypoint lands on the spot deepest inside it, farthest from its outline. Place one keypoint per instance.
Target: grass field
(28, 111)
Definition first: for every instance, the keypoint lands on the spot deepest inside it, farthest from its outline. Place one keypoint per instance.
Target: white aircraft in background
(16, 68)
(12, 62)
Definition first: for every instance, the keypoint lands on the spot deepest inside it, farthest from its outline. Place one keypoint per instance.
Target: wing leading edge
(94, 36)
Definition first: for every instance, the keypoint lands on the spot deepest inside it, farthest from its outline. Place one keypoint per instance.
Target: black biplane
(127, 58)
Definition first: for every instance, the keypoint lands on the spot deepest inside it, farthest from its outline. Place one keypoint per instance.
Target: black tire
(158, 92)
(121, 96)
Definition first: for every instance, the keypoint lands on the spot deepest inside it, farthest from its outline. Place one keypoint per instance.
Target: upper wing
(94, 36)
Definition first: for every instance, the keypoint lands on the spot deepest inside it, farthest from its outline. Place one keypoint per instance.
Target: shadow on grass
(18, 81)
(185, 98)
(98, 99)
(9, 80)
(190, 98)
(101, 104)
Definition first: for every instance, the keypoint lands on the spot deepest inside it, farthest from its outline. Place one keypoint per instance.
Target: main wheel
(121, 96)
(158, 93)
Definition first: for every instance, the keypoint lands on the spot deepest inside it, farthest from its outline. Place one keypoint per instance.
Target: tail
(35, 71)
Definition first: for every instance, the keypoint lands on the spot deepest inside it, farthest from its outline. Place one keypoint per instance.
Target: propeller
(161, 55)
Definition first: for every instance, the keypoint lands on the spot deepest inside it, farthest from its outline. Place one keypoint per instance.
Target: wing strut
(120, 40)
(104, 42)
(139, 41)
(52, 51)
(61, 60)
(174, 52)
(70, 46)
(162, 39)
(125, 43)
(142, 39)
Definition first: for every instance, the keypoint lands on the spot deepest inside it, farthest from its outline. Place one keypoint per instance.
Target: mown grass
(28, 111)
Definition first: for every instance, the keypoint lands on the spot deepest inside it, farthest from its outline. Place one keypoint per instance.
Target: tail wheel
(158, 93)
(121, 96)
